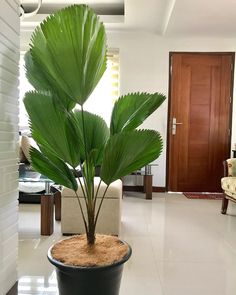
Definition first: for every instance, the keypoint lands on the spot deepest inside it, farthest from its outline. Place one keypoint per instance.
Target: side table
(147, 186)
(46, 200)
(56, 190)
(47, 212)
(147, 180)
(47, 206)
(57, 203)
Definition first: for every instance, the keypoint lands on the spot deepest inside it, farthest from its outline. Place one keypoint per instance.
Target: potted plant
(66, 60)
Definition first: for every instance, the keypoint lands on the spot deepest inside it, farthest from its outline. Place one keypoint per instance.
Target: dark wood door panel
(200, 91)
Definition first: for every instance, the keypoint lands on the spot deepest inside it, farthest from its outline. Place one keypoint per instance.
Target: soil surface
(75, 251)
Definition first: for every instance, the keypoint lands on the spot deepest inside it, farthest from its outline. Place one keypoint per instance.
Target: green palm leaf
(132, 109)
(51, 127)
(128, 151)
(38, 80)
(97, 134)
(54, 168)
(69, 48)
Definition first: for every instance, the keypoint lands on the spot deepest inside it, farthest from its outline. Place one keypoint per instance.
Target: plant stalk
(83, 191)
(91, 227)
(95, 198)
(88, 198)
(81, 209)
(100, 205)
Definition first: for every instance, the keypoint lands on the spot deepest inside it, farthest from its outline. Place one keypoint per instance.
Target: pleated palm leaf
(66, 60)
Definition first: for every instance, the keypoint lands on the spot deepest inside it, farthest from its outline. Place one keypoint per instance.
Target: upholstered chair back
(231, 165)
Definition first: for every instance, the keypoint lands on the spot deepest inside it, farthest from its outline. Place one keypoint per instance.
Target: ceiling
(203, 18)
(174, 18)
(100, 6)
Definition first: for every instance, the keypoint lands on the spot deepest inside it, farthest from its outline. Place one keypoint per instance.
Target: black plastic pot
(102, 280)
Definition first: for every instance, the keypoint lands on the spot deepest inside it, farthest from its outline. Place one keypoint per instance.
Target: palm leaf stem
(83, 217)
(85, 192)
(93, 194)
(84, 195)
(95, 199)
(100, 205)
(82, 173)
(86, 151)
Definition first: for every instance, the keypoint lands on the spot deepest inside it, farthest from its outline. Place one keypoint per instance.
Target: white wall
(9, 56)
(144, 66)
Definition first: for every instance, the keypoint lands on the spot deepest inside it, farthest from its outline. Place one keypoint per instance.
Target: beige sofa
(25, 143)
(228, 183)
(110, 215)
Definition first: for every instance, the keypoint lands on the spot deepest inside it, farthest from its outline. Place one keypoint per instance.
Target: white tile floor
(180, 247)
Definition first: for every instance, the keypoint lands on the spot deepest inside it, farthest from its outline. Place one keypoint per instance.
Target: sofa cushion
(110, 216)
(109, 219)
(25, 144)
(22, 156)
(114, 191)
(232, 195)
(228, 184)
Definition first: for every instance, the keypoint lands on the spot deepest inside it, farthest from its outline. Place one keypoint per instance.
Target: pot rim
(61, 265)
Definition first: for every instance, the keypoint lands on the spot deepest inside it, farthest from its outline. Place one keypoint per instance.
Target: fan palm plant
(66, 60)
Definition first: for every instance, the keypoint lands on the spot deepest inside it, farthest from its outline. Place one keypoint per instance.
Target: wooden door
(200, 101)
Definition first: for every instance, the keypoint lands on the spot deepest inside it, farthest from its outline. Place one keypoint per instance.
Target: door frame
(171, 53)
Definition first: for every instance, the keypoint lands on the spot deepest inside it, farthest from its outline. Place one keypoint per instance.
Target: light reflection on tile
(38, 285)
(174, 240)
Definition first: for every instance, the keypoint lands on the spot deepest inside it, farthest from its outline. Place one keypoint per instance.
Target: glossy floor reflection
(180, 247)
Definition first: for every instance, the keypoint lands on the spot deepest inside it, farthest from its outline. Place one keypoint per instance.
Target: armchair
(228, 183)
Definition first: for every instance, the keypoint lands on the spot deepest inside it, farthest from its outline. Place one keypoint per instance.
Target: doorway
(199, 120)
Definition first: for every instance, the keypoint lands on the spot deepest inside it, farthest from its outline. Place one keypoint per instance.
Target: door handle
(174, 123)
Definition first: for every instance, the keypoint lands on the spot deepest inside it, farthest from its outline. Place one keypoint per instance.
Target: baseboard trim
(159, 189)
(133, 188)
(13, 290)
(139, 188)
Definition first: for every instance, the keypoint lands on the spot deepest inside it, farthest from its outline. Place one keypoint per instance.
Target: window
(102, 99)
